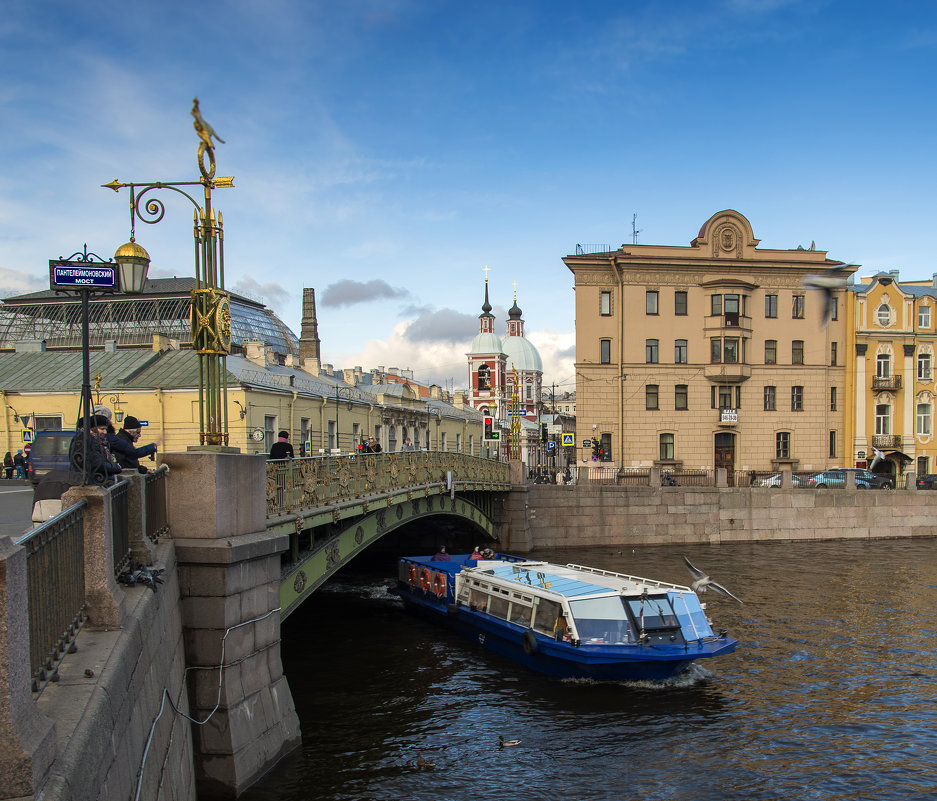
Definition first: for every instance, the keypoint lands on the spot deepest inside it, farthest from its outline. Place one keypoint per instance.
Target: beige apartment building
(709, 355)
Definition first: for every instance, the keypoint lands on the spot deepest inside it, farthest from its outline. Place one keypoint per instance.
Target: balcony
(886, 441)
(723, 372)
(886, 382)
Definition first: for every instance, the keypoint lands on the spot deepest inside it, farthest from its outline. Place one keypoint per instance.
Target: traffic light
(543, 432)
(595, 448)
(491, 433)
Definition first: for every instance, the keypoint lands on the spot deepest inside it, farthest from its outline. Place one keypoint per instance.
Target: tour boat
(567, 621)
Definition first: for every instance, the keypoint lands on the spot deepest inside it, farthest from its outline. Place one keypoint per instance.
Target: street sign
(80, 275)
(551, 445)
(520, 413)
(569, 439)
(143, 423)
(27, 435)
(587, 443)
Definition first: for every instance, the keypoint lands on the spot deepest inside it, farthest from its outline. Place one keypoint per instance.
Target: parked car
(775, 481)
(928, 482)
(836, 478)
(49, 452)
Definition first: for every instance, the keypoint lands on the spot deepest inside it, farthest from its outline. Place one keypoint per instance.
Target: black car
(865, 479)
(927, 482)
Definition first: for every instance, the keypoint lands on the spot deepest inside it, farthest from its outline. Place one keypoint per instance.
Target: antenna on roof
(634, 229)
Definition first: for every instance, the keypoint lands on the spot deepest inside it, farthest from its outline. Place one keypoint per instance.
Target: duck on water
(568, 621)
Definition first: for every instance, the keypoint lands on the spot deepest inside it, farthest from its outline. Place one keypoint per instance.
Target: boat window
(545, 619)
(520, 614)
(478, 600)
(601, 620)
(653, 614)
(498, 607)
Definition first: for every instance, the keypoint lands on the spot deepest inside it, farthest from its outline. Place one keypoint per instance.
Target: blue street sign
(143, 423)
(551, 445)
(78, 275)
(569, 439)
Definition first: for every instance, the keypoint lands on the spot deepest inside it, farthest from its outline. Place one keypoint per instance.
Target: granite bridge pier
(112, 690)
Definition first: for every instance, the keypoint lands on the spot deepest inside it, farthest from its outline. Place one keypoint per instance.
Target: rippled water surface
(832, 693)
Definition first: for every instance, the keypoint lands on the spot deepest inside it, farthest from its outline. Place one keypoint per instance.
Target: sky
(386, 151)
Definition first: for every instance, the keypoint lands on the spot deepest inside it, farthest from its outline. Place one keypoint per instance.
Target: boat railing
(636, 579)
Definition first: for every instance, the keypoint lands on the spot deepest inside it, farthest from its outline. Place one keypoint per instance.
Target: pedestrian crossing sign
(569, 439)
(27, 435)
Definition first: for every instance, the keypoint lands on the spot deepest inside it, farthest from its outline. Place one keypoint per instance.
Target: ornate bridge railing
(294, 484)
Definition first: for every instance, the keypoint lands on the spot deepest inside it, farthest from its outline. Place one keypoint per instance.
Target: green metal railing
(55, 588)
(156, 523)
(294, 484)
(120, 524)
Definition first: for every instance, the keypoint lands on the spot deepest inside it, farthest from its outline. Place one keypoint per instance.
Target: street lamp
(211, 309)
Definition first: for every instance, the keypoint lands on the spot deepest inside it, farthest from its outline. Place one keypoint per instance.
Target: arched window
(884, 315)
(484, 377)
(883, 365)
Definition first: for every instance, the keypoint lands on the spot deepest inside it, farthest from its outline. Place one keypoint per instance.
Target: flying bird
(702, 582)
(879, 457)
(834, 278)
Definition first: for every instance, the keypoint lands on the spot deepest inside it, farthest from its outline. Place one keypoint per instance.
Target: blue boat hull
(560, 659)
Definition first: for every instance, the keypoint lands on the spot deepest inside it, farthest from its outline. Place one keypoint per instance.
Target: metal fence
(120, 524)
(308, 482)
(156, 520)
(55, 587)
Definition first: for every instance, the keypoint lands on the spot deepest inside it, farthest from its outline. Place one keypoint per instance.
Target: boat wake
(694, 675)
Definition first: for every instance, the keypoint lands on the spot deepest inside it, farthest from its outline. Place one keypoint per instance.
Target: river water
(831, 694)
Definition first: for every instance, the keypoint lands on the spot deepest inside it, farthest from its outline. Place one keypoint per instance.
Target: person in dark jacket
(123, 446)
(8, 465)
(19, 464)
(281, 449)
(101, 466)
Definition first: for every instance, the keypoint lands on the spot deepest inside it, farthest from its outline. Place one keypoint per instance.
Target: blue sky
(386, 151)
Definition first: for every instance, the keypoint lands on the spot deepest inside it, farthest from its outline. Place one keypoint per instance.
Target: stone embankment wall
(550, 516)
(110, 692)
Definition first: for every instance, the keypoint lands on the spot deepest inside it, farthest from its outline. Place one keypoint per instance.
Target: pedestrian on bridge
(123, 445)
(281, 449)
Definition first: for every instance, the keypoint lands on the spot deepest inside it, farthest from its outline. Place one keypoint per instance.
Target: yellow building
(891, 373)
(710, 355)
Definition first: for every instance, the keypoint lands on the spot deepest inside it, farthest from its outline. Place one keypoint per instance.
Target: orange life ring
(439, 585)
(425, 582)
(412, 578)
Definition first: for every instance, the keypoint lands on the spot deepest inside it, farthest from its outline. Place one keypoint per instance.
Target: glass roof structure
(162, 308)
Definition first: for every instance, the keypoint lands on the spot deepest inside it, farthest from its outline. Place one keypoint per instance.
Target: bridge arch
(316, 566)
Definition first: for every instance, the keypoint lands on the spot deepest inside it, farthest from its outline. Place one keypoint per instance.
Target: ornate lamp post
(211, 311)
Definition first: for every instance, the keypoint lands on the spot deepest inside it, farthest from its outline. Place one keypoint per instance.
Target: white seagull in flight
(702, 582)
(833, 279)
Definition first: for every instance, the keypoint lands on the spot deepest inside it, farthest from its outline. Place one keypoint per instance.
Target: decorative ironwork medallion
(299, 583)
(359, 535)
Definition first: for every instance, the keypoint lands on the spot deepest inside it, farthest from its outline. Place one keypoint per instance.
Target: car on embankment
(836, 479)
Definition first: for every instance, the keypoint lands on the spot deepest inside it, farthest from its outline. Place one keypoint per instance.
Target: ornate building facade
(710, 355)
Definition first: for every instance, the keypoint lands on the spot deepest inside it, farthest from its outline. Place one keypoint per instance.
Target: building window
(605, 303)
(923, 463)
(923, 367)
(651, 355)
(716, 305)
(484, 378)
(304, 437)
(679, 303)
(923, 318)
(666, 447)
(605, 448)
(605, 351)
(797, 308)
(923, 419)
(458, 443)
(442, 442)
(797, 351)
(732, 309)
(771, 305)
(797, 399)
(738, 396)
(883, 365)
(650, 301)
(832, 444)
(770, 398)
(681, 397)
(882, 419)
(782, 445)
(715, 350)
(680, 351)
(730, 351)
(392, 439)
(884, 315)
(270, 427)
(651, 396)
(834, 348)
(771, 351)
(725, 397)
(834, 308)
(832, 399)
(47, 422)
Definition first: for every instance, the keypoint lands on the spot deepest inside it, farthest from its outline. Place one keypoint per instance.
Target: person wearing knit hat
(282, 449)
(123, 445)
